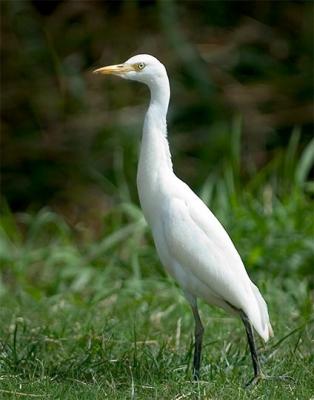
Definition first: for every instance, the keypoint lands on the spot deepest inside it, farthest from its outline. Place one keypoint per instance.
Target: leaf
(305, 164)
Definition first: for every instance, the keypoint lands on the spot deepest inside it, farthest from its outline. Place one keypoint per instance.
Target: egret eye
(140, 65)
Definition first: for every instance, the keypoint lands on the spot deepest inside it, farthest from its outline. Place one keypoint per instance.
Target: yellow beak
(114, 69)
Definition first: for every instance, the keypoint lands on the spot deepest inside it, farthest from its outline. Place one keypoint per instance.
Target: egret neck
(155, 157)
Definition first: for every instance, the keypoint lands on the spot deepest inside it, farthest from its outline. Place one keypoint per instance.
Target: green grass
(139, 341)
(95, 319)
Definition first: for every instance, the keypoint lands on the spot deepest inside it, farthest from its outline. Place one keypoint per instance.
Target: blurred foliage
(70, 139)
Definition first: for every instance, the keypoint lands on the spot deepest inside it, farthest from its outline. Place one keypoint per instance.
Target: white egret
(192, 245)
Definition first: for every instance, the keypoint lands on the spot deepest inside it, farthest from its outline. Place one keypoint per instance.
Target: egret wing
(197, 242)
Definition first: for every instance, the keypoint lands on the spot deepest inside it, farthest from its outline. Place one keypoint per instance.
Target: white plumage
(192, 244)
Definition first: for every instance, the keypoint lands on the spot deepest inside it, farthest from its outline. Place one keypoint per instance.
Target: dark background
(69, 137)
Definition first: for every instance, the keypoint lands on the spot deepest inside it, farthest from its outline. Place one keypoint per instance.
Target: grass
(96, 319)
(67, 347)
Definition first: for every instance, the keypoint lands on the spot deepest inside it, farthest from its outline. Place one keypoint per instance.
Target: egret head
(142, 68)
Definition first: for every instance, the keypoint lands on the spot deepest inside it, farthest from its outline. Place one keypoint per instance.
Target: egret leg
(258, 375)
(198, 333)
(199, 330)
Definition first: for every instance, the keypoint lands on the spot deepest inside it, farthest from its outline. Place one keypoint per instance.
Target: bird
(191, 243)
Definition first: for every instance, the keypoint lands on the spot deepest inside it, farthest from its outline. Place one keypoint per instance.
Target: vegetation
(99, 319)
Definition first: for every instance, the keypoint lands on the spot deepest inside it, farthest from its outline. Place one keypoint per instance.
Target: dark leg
(258, 374)
(255, 359)
(199, 330)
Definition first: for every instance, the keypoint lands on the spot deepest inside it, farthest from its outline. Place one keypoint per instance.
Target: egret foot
(255, 380)
(258, 378)
(196, 375)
